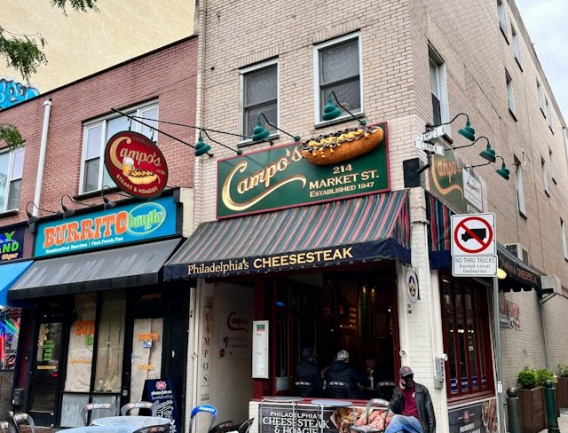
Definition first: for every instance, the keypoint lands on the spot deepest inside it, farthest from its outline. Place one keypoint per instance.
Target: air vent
(550, 284)
(519, 252)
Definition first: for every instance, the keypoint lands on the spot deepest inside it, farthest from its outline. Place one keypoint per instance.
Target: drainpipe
(42, 151)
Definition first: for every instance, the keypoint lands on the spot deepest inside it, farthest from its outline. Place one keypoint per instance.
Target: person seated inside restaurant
(307, 378)
(341, 371)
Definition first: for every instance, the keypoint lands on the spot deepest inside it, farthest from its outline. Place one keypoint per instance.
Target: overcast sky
(547, 24)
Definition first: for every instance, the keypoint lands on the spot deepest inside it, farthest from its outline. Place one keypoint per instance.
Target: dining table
(134, 423)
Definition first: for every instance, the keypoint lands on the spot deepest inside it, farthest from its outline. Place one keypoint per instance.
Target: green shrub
(528, 378)
(562, 370)
(543, 375)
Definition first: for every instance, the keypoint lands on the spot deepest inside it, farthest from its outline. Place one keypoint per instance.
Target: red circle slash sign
(484, 244)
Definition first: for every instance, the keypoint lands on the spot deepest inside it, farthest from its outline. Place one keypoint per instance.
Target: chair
(22, 418)
(224, 427)
(377, 426)
(245, 427)
(88, 410)
(338, 389)
(303, 389)
(153, 407)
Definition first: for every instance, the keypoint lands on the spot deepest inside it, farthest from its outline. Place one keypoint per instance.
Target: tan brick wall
(396, 82)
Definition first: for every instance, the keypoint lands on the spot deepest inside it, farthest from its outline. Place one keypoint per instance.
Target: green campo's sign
(281, 177)
(454, 184)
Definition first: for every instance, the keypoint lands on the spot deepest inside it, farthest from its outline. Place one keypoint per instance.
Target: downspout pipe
(42, 152)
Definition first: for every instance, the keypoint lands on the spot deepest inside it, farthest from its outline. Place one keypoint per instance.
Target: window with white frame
(337, 65)
(563, 236)
(540, 94)
(552, 169)
(565, 141)
(11, 169)
(547, 113)
(516, 46)
(95, 136)
(510, 93)
(519, 188)
(502, 17)
(259, 86)
(438, 87)
(544, 175)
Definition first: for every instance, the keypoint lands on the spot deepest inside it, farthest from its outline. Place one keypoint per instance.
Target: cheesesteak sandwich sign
(136, 164)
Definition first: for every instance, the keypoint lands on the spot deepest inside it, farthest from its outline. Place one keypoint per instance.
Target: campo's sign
(282, 177)
(136, 164)
(456, 186)
(120, 225)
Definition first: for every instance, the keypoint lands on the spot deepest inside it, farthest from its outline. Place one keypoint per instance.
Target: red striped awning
(369, 228)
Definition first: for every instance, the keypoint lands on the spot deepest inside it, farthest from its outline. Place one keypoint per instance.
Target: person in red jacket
(412, 405)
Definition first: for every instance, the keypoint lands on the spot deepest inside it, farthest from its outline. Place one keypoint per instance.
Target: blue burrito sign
(121, 225)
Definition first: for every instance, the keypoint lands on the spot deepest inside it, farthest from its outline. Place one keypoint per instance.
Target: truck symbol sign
(481, 233)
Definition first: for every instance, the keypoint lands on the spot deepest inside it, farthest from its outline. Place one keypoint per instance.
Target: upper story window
(552, 168)
(337, 65)
(11, 169)
(544, 176)
(438, 87)
(563, 238)
(519, 188)
(259, 86)
(540, 95)
(97, 133)
(510, 93)
(547, 113)
(502, 17)
(516, 46)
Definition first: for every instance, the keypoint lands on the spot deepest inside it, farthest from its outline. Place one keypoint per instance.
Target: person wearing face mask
(412, 405)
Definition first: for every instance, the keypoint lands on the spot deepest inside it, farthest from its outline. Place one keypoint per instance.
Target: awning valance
(9, 273)
(520, 276)
(131, 266)
(368, 228)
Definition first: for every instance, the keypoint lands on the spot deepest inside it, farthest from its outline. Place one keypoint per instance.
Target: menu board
(161, 391)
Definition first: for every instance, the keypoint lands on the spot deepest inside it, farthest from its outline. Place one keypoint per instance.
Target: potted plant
(562, 385)
(531, 399)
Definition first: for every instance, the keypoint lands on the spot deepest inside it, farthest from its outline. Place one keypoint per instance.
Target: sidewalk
(562, 421)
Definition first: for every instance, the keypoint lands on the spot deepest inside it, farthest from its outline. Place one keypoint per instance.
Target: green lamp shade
(259, 133)
(488, 154)
(201, 148)
(503, 172)
(330, 111)
(467, 131)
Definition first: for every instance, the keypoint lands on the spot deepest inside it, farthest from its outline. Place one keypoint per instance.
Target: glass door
(46, 375)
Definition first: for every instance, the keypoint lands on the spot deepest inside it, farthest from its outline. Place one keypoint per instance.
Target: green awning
(369, 228)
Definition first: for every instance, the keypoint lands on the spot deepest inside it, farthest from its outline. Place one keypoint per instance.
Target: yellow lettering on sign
(148, 336)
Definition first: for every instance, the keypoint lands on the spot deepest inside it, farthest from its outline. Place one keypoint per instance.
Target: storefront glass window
(81, 338)
(466, 319)
(110, 346)
(9, 331)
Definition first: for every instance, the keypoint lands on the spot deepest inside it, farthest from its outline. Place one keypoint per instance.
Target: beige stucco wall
(81, 44)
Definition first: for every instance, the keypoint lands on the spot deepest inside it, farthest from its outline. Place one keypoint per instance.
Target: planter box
(532, 409)
(562, 391)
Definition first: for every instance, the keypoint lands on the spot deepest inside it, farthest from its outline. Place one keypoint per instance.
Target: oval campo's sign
(136, 164)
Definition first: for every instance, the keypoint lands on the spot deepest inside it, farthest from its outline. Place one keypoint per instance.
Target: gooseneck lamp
(260, 133)
(330, 110)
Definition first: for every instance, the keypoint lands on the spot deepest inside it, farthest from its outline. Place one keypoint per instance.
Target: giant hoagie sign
(347, 163)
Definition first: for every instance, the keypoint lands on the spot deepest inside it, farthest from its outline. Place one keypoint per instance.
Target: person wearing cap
(341, 371)
(412, 405)
(307, 371)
